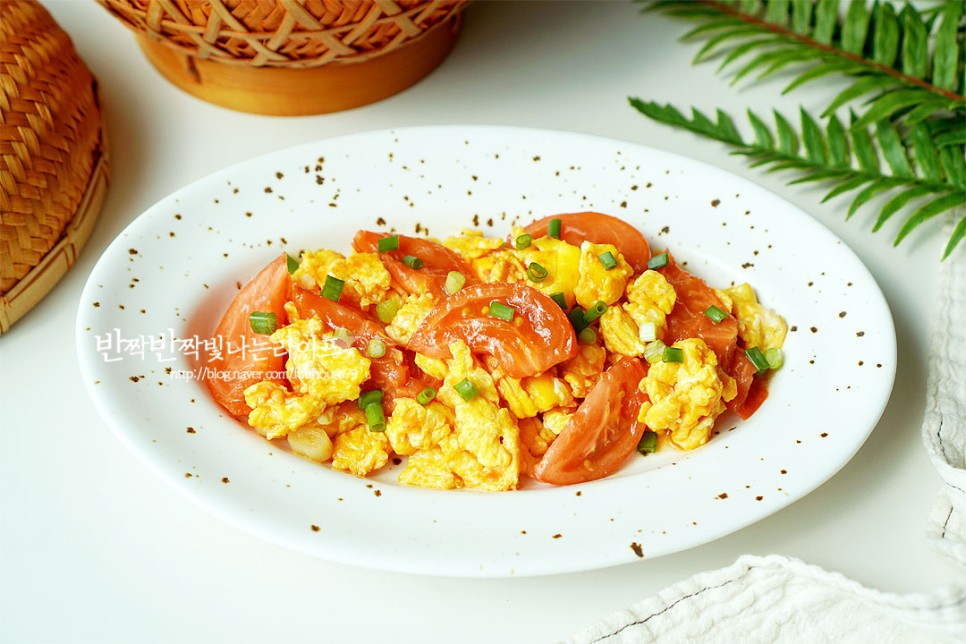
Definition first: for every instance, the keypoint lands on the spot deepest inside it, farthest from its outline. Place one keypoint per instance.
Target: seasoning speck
(638, 550)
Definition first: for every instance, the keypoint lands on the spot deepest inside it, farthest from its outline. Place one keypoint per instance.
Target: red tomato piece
(687, 318)
(602, 433)
(538, 337)
(752, 390)
(600, 229)
(246, 357)
(337, 316)
(437, 260)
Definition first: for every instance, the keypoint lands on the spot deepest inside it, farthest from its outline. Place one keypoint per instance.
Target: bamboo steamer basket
(292, 57)
(53, 156)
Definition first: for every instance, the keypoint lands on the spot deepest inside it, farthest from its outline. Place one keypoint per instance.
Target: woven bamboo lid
(53, 156)
(288, 57)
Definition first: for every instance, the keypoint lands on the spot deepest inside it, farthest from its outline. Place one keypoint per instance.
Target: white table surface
(94, 548)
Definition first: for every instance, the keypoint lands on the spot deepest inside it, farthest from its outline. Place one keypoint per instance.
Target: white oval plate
(172, 271)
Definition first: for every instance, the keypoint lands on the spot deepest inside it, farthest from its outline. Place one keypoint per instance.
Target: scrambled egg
(366, 279)
(413, 427)
(597, 282)
(620, 333)
(583, 370)
(757, 326)
(560, 259)
(527, 397)
(472, 244)
(650, 298)
(276, 411)
(686, 397)
(463, 366)
(360, 451)
(411, 314)
(502, 266)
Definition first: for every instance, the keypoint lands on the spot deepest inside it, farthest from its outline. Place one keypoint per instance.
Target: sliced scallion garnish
(412, 262)
(387, 309)
(263, 323)
(466, 390)
(587, 336)
(553, 228)
(647, 331)
(536, 272)
(332, 289)
(560, 299)
(648, 443)
(293, 264)
(658, 261)
(654, 351)
(376, 348)
(501, 311)
(672, 354)
(387, 244)
(775, 358)
(454, 281)
(342, 335)
(716, 314)
(425, 396)
(608, 260)
(757, 359)
(576, 317)
(376, 417)
(370, 398)
(523, 241)
(594, 312)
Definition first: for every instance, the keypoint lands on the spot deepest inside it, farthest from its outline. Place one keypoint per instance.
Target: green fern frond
(888, 52)
(850, 158)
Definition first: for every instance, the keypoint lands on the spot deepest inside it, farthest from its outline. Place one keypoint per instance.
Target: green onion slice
(553, 228)
(587, 336)
(648, 443)
(523, 241)
(594, 312)
(344, 336)
(758, 359)
(412, 262)
(376, 348)
(293, 264)
(373, 397)
(647, 331)
(387, 244)
(775, 358)
(536, 272)
(466, 390)
(576, 317)
(672, 354)
(654, 351)
(425, 396)
(560, 299)
(501, 311)
(658, 261)
(454, 281)
(608, 260)
(716, 314)
(332, 289)
(263, 323)
(387, 309)
(376, 417)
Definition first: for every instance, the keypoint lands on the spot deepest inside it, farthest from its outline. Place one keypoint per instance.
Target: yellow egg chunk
(500, 266)
(431, 468)
(464, 366)
(319, 365)
(598, 283)
(276, 411)
(547, 392)
(583, 370)
(757, 326)
(471, 244)
(560, 259)
(620, 333)
(685, 397)
(650, 298)
(366, 278)
(413, 427)
(360, 451)
(516, 398)
(535, 438)
(431, 366)
(411, 314)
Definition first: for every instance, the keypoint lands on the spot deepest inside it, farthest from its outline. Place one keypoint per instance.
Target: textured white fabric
(776, 599)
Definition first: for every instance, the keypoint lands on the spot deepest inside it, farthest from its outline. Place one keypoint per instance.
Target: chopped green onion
(332, 289)
(716, 314)
(576, 317)
(501, 311)
(654, 351)
(373, 397)
(376, 348)
(758, 359)
(553, 229)
(466, 390)
(648, 443)
(594, 312)
(293, 264)
(376, 417)
(647, 331)
(608, 260)
(672, 354)
(536, 272)
(775, 358)
(425, 396)
(658, 261)
(387, 244)
(560, 299)
(263, 323)
(454, 281)
(387, 309)
(344, 336)
(524, 241)
(587, 336)
(412, 262)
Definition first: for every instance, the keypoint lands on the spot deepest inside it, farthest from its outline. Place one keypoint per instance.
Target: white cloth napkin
(777, 599)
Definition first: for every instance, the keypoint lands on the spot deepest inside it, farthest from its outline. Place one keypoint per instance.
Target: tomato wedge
(752, 391)
(687, 318)
(437, 260)
(241, 357)
(602, 433)
(337, 316)
(538, 337)
(600, 229)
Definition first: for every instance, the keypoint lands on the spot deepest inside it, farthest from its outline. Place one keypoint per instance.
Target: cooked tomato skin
(437, 260)
(603, 431)
(252, 357)
(543, 338)
(599, 228)
(752, 390)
